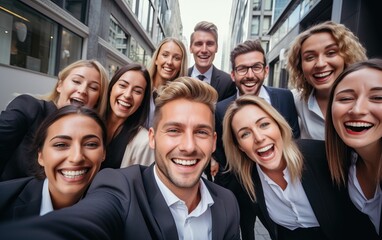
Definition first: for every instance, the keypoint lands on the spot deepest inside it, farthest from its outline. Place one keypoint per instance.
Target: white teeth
(264, 149)
(73, 174)
(124, 103)
(77, 101)
(185, 162)
(320, 75)
(167, 69)
(250, 84)
(358, 124)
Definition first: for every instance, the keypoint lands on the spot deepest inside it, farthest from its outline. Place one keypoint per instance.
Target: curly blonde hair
(349, 48)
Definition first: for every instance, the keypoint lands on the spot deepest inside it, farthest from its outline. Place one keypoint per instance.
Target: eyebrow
(177, 124)
(329, 46)
(66, 137)
(258, 120)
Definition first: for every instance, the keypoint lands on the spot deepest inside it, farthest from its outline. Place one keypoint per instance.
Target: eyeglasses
(257, 68)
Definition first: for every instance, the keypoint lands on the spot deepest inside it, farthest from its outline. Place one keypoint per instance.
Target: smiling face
(357, 109)
(127, 94)
(184, 140)
(203, 48)
(71, 156)
(251, 82)
(81, 87)
(259, 137)
(321, 61)
(169, 61)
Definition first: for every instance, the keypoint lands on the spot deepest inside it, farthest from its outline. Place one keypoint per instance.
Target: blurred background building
(39, 38)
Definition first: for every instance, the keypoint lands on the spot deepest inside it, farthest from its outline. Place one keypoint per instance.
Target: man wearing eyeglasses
(249, 69)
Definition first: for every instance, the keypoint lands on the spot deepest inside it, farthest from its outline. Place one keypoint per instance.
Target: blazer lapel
(215, 78)
(273, 97)
(29, 201)
(217, 215)
(158, 205)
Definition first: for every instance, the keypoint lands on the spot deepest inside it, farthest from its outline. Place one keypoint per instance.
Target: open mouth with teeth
(249, 84)
(357, 127)
(320, 76)
(266, 151)
(182, 162)
(76, 102)
(74, 174)
(124, 104)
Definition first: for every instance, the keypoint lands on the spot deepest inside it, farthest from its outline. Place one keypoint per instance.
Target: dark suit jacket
(18, 123)
(20, 198)
(124, 204)
(281, 99)
(337, 217)
(222, 83)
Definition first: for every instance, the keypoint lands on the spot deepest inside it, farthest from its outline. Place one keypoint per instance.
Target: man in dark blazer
(203, 46)
(167, 200)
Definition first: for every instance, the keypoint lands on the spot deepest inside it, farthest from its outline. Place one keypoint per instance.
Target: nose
(321, 61)
(359, 107)
(76, 155)
(127, 93)
(82, 88)
(258, 137)
(204, 47)
(187, 143)
(169, 60)
(249, 73)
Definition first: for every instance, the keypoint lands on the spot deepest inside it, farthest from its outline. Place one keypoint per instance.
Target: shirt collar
(208, 74)
(171, 198)
(46, 203)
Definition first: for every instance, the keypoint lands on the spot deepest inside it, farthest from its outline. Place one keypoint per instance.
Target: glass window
(266, 24)
(255, 25)
(117, 37)
(146, 16)
(71, 45)
(256, 5)
(132, 4)
(268, 5)
(76, 8)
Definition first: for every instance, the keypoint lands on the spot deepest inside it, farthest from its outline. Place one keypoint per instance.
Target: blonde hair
(238, 162)
(183, 67)
(104, 82)
(205, 26)
(185, 88)
(349, 48)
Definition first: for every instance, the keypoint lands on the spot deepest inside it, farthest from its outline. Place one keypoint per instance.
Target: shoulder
(223, 104)
(30, 105)
(313, 152)
(220, 192)
(13, 188)
(216, 71)
(279, 91)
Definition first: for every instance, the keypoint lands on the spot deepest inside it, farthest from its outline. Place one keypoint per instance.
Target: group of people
(306, 162)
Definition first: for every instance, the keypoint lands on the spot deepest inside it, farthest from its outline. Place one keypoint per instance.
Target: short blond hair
(205, 26)
(185, 88)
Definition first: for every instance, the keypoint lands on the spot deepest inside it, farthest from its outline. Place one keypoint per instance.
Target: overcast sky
(216, 11)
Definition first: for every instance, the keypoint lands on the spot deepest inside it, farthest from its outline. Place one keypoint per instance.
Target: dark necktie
(201, 77)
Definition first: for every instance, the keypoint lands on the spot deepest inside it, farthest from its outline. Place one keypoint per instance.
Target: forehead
(365, 79)
(84, 124)
(203, 36)
(317, 41)
(249, 58)
(171, 47)
(133, 77)
(186, 112)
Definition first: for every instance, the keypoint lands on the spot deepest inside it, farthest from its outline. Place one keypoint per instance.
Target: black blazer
(338, 218)
(222, 83)
(281, 99)
(124, 204)
(18, 124)
(20, 198)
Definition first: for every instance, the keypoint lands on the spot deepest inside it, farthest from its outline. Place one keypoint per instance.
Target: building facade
(39, 38)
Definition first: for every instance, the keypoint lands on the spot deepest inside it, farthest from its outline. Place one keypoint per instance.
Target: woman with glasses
(287, 185)
(316, 58)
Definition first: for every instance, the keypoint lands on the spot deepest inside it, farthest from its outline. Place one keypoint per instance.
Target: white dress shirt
(190, 226)
(46, 202)
(208, 75)
(262, 93)
(289, 208)
(372, 206)
(310, 117)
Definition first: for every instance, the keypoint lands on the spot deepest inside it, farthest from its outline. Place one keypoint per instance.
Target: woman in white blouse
(287, 186)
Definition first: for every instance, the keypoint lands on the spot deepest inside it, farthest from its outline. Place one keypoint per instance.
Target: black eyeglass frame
(255, 69)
